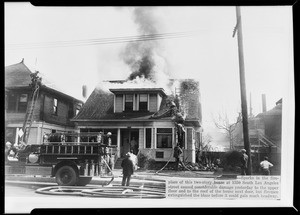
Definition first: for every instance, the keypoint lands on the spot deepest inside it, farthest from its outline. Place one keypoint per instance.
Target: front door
(129, 141)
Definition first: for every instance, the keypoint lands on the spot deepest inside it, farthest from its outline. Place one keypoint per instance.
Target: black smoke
(139, 55)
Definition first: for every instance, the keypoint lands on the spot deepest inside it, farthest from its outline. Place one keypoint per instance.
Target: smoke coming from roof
(142, 57)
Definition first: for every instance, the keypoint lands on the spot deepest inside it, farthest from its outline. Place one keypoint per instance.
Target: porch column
(119, 143)
(17, 136)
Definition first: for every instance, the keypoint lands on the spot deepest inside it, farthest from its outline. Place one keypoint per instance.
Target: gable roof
(99, 106)
(275, 111)
(18, 76)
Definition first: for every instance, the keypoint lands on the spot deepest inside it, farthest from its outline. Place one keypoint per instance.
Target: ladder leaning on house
(35, 84)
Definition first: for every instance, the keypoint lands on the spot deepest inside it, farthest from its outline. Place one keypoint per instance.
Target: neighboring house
(265, 137)
(264, 130)
(141, 113)
(52, 112)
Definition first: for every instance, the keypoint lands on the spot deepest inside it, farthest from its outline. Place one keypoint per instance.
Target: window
(22, 106)
(143, 104)
(12, 102)
(71, 110)
(90, 134)
(10, 135)
(164, 137)
(148, 137)
(129, 102)
(17, 103)
(159, 154)
(55, 106)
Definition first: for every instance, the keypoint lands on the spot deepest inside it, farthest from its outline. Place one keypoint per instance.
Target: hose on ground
(114, 191)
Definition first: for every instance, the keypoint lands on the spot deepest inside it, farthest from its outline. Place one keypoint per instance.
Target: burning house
(145, 115)
(149, 109)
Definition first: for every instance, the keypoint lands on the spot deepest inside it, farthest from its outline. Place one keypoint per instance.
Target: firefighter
(134, 146)
(8, 148)
(63, 139)
(180, 134)
(244, 162)
(100, 137)
(107, 139)
(128, 169)
(178, 156)
(45, 138)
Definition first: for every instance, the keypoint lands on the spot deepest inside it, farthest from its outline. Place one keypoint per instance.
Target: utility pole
(238, 29)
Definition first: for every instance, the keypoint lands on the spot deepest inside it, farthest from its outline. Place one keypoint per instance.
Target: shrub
(231, 160)
(145, 161)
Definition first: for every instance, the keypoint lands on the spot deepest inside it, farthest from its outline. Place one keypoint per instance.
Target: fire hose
(168, 163)
(106, 191)
(112, 174)
(114, 191)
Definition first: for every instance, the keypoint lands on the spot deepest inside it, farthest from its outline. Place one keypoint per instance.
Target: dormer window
(128, 102)
(137, 99)
(143, 103)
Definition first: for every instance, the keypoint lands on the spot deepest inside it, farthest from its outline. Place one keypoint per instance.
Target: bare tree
(206, 142)
(224, 124)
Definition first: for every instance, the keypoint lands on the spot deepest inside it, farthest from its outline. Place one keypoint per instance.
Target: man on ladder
(36, 82)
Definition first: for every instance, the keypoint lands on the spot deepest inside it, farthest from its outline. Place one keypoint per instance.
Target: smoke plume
(142, 56)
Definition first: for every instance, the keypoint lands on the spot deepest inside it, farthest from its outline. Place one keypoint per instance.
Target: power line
(101, 41)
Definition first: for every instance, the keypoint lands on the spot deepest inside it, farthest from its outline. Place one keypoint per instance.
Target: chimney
(84, 91)
(264, 105)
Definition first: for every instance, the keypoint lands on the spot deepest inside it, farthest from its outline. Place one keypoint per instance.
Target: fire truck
(65, 156)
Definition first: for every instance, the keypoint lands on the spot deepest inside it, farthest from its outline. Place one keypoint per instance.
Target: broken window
(164, 137)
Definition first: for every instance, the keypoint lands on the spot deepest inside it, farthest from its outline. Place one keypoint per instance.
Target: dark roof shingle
(17, 75)
(99, 106)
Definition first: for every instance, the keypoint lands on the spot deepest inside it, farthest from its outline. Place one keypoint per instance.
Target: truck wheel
(82, 181)
(66, 176)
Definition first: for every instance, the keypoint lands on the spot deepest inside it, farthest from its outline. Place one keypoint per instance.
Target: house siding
(118, 103)
(62, 111)
(153, 102)
(13, 116)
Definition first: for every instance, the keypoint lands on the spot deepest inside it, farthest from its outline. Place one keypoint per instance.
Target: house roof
(277, 110)
(99, 106)
(17, 76)
(139, 90)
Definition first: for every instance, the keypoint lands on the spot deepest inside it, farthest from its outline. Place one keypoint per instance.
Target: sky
(70, 47)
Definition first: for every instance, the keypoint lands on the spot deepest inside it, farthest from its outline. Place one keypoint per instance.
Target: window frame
(151, 138)
(126, 109)
(12, 102)
(169, 135)
(55, 106)
(22, 106)
(144, 103)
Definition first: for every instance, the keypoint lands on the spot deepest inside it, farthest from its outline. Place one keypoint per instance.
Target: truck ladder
(36, 81)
